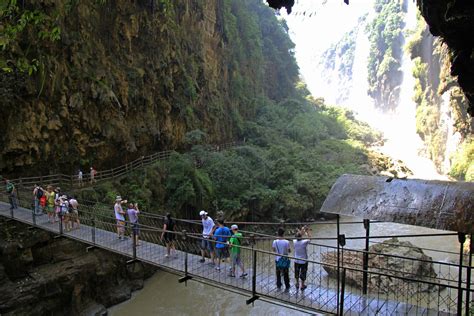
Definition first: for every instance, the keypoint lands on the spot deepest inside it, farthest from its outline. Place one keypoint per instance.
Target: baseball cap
(202, 213)
(234, 227)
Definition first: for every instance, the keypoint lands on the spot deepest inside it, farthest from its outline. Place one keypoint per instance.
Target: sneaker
(303, 287)
(243, 275)
(167, 255)
(232, 275)
(202, 260)
(218, 268)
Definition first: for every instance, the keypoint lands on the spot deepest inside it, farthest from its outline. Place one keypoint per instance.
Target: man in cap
(120, 217)
(207, 231)
(235, 242)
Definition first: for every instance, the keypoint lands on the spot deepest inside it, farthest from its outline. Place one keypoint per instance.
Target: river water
(163, 295)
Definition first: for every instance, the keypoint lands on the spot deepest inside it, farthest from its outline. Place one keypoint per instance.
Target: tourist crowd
(220, 243)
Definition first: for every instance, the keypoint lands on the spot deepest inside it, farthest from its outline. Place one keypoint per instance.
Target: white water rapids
(398, 126)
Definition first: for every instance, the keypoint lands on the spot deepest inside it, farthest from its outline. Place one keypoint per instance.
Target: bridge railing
(72, 181)
(334, 278)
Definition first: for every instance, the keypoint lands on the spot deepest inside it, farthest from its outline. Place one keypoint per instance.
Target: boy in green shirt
(235, 242)
(11, 190)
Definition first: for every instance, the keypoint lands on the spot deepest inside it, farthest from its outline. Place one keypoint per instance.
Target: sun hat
(202, 213)
(234, 227)
(118, 198)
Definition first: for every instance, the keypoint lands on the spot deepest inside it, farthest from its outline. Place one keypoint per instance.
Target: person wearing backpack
(38, 193)
(12, 194)
(282, 247)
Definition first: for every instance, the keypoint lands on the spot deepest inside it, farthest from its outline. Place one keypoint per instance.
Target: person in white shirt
(80, 177)
(119, 217)
(208, 228)
(282, 247)
(301, 252)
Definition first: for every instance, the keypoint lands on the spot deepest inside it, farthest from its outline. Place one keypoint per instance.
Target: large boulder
(396, 266)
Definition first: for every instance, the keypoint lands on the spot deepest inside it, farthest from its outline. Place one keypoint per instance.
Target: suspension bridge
(450, 294)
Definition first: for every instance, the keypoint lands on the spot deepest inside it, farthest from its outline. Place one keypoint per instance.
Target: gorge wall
(96, 82)
(442, 115)
(41, 275)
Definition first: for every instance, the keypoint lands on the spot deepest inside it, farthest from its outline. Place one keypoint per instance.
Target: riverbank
(41, 274)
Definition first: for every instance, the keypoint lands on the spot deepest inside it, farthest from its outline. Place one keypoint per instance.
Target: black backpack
(39, 193)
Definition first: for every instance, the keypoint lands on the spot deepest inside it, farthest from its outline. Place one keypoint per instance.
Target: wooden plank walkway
(313, 299)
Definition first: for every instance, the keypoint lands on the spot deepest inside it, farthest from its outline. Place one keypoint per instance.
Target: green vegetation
(294, 151)
(463, 162)
(154, 76)
(429, 123)
(16, 23)
(386, 37)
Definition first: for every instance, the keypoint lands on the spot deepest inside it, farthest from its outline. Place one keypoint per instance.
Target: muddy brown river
(163, 295)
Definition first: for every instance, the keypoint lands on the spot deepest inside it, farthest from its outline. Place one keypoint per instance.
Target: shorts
(50, 209)
(169, 237)
(222, 253)
(74, 215)
(120, 223)
(207, 244)
(136, 228)
(235, 257)
(300, 270)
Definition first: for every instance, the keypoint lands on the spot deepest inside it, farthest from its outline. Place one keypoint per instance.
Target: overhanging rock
(434, 204)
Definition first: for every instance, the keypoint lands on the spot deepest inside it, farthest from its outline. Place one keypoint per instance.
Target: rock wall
(442, 118)
(127, 78)
(41, 275)
(453, 21)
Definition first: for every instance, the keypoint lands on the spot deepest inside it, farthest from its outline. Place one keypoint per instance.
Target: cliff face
(40, 275)
(128, 77)
(442, 119)
(453, 21)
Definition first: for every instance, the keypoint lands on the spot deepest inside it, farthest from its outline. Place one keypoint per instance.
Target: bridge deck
(314, 298)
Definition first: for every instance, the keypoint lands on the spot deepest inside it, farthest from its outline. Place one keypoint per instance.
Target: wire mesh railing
(335, 277)
(73, 181)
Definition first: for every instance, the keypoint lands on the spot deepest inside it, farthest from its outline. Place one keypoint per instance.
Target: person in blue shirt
(222, 235)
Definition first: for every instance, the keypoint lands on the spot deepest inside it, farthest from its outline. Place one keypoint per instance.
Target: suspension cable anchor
(252, 299)
(185, 278)
(90, 248)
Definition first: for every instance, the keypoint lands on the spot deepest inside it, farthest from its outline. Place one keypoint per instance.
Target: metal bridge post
(33, 215)
(134, 242)
(462, 239)
(60, 224)
(366, 256)
(469, 271)
(186, 276)
(254, 278)
(93, 229)
(338, 262)
(343, 287)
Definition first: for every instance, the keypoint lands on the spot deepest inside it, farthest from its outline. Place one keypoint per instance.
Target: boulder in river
(395, 266)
